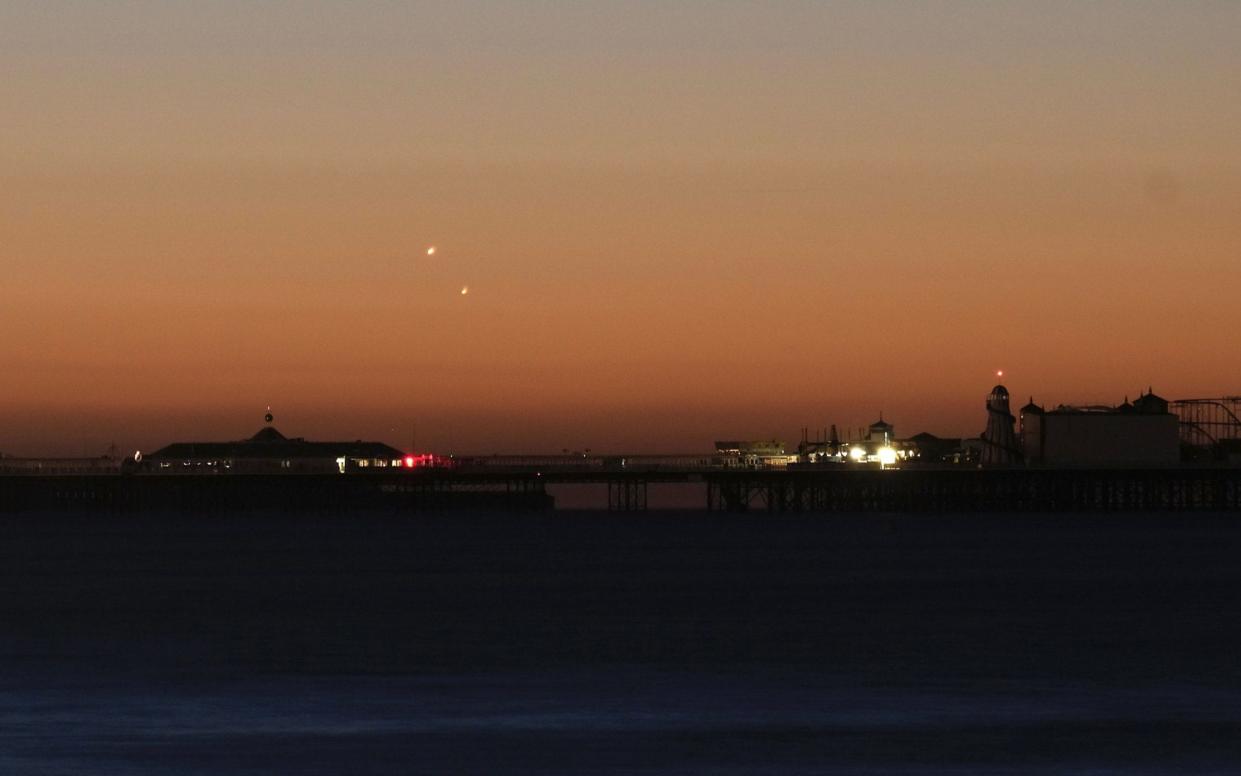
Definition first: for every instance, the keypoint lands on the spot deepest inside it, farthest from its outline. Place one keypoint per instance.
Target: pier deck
(827, 489)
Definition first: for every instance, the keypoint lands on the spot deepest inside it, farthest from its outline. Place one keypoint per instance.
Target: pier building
(875, 444)
(1138, 433)
(753, 454)
(926, 448)
(270, 452)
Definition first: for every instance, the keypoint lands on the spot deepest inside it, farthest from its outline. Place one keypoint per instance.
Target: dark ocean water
(674, 643)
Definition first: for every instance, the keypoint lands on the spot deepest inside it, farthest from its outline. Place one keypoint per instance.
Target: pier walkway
(792, 490)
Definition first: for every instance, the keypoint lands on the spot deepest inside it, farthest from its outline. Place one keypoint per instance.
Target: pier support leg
(627, 495)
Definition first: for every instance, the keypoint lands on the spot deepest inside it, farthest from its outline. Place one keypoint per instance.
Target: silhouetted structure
(826, 446)
(754, 453)
(1141, 433)
(926, 448)
(1210, 428)
(269, 451)
(999, 441)
(876, 444)
(880, 432)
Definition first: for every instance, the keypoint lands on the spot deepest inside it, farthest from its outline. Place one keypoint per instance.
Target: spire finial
(269, 417)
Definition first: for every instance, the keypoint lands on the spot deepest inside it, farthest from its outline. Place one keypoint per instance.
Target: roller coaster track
(1208, 422)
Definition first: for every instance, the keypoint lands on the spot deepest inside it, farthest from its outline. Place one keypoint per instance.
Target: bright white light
(857, 453)
(465, 290)
(340, 463)
(431, 251)
(999, 373)
(887, 456)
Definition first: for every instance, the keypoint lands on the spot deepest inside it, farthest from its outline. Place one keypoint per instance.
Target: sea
(587, 642)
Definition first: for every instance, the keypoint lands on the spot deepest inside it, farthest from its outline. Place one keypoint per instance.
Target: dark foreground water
(593, 643)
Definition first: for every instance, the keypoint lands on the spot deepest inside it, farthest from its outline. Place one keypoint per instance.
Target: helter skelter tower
(999, 441)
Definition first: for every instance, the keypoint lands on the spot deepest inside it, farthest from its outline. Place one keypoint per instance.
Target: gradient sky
(679, 221)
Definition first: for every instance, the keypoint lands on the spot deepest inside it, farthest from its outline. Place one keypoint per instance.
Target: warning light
(409, 461)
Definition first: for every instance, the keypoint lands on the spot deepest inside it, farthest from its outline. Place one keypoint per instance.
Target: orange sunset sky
(678, 221)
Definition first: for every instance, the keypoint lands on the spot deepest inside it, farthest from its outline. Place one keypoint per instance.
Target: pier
(812, 489)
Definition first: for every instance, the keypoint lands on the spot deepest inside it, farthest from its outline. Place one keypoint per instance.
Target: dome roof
(268, 434)
(1149, 402)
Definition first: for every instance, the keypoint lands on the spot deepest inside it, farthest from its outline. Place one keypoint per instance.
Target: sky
(678, 221)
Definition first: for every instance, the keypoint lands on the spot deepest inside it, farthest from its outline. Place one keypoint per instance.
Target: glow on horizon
(692, 221)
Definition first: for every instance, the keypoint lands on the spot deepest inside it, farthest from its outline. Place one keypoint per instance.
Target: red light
(409, 461)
